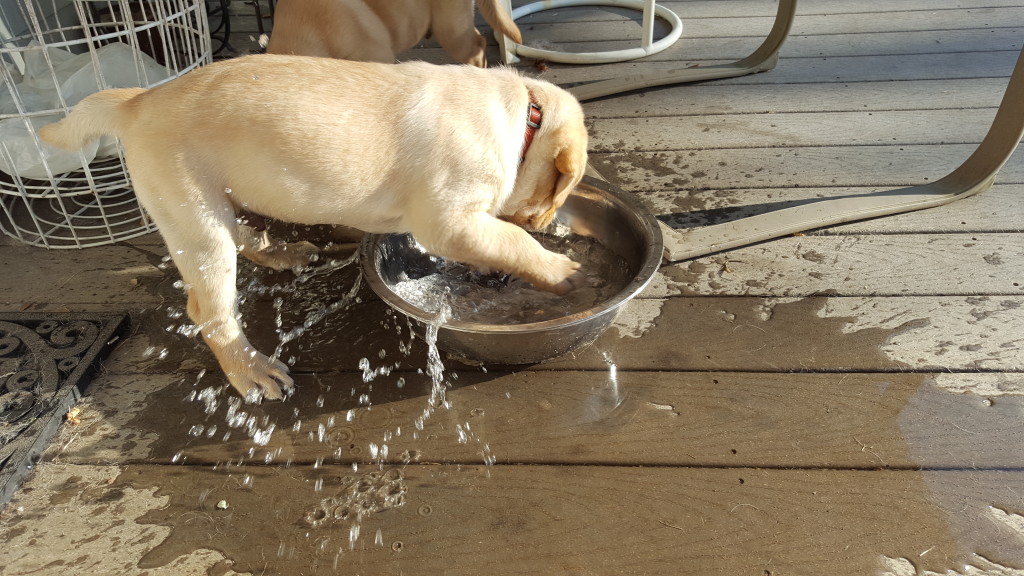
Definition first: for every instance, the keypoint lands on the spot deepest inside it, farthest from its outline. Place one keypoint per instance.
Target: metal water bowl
(595, 209)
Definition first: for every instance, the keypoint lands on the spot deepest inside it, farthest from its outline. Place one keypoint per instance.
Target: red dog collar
(533, 117)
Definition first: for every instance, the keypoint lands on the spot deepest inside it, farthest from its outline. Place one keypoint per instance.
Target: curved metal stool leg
(511, 50)
(974, 175)
(764, 58)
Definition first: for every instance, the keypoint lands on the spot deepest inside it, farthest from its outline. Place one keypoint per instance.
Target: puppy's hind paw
(284, 256)
(295, 255)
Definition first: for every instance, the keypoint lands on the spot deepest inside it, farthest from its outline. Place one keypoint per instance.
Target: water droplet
(353, 535)
(262, 437)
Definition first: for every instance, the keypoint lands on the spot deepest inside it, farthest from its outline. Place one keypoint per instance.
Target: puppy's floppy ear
(571, 163)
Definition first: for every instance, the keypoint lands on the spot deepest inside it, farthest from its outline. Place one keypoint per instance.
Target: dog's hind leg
(453, 28)
(200, 231)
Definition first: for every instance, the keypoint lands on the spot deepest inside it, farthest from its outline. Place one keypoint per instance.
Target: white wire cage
(53, 53)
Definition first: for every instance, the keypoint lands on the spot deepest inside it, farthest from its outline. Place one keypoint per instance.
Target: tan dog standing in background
(376, 30)
(430, 150)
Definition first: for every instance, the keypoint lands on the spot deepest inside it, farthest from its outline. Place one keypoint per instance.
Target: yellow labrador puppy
(376, 30)
(451, 154)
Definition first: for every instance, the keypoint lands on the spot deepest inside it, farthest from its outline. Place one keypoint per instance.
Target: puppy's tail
(500, 20)
(97, 115)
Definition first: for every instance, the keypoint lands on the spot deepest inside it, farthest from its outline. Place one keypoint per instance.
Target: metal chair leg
(975, 175)
(764, 58)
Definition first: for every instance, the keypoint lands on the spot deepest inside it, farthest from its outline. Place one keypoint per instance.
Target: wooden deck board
(804, 25)
(528, 519)
(596, 520)
(693, 48)
(790, 167)
(830, 70)
(695, 333)
(706, 9)
(712, 99)
(807, 420)
(794, 130)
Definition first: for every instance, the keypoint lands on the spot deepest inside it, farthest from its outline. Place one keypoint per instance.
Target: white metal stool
(510, 50)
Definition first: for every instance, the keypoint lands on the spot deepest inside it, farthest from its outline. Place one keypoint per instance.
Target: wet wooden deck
(848, 401)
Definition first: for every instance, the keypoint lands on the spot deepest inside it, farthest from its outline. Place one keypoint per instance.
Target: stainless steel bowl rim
(643, 277)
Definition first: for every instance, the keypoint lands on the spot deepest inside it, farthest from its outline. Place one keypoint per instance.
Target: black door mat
(46, 362)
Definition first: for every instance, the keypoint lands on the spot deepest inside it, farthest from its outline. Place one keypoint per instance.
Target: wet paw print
(359, 497)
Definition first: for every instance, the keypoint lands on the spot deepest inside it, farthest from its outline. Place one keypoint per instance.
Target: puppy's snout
(531, 223)
(541, 221)
(519, 220)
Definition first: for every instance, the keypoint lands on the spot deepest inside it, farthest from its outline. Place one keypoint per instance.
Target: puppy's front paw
(558, 274)
(261, 377)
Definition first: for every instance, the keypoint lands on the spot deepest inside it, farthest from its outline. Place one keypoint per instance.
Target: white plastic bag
(36, 89)
(121, 66)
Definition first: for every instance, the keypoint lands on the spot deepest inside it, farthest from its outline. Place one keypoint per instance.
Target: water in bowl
(499, 299)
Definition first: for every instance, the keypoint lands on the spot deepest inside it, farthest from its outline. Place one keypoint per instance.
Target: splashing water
(346, 503)
(318, 311)
(435, 367)
(494, 298)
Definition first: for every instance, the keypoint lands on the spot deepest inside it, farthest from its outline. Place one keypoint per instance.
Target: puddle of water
(947, 518)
